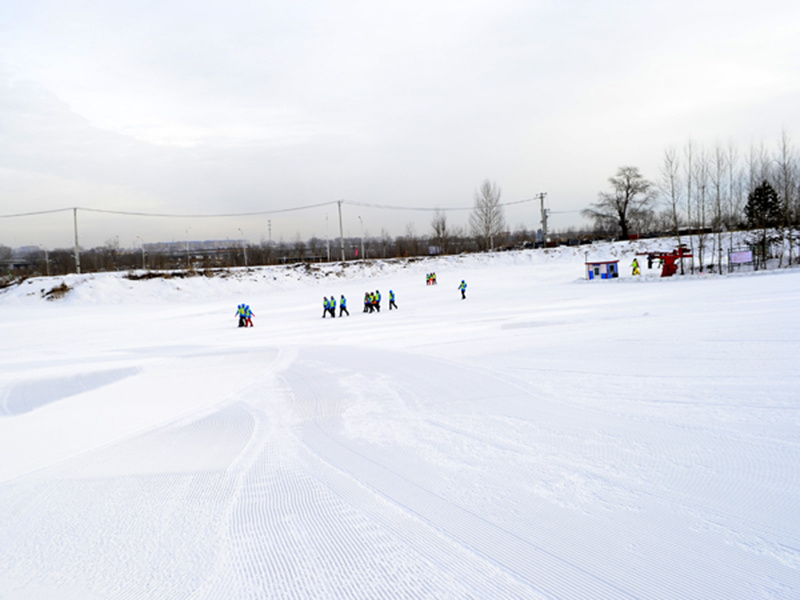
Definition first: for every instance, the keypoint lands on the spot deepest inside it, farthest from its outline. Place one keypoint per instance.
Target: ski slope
(548, 437)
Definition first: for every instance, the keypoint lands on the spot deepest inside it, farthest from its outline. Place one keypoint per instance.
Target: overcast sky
(237, 106)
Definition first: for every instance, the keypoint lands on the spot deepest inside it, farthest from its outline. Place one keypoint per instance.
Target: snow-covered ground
(547, 437)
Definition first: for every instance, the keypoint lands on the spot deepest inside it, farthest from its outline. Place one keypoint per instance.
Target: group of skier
(245, 315)
(329, 306)
(372, 303)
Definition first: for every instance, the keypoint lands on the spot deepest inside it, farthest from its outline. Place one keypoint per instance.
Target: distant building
(15, 264)
(605, 269)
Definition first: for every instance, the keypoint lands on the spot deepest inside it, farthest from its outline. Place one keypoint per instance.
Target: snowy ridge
(548, 437)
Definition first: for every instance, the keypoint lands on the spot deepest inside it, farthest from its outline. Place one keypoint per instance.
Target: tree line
(486, 231)
(704, 194)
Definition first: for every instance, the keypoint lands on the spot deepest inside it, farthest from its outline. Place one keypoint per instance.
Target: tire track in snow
(469, 576)
(541, 571)
(568, 573)
(290, 535)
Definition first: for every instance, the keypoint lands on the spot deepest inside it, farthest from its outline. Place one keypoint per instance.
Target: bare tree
(735, 201)
(787, 184)
(629, 201)
(701, 172)
(670, 188)
(385, 242)
(408, 244)
(718, 182)
(440, 233)
(316, 247)
(688, 153)
(759, 167)
(298, 248)
(487, 220)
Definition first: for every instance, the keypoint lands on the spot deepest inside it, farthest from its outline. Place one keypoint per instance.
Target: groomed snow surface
(548, 437)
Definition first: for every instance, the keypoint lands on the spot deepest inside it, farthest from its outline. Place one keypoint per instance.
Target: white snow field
(548, 437)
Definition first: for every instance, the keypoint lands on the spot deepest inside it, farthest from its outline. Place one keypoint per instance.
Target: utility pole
(244, 245)
(544, 217)
(341, 229)
(144, 262)
(77, 251)
(327, 238)
(362, 237)
(46, 260)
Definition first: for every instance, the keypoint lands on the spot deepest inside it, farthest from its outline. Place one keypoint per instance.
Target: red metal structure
(668, 259)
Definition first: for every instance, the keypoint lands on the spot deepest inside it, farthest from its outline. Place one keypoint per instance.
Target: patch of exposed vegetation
(57, 292)
(133, 276)
(10, 281)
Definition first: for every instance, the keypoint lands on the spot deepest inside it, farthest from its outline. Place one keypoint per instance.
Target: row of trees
(111, 258)
(486, 230)
(702, 194)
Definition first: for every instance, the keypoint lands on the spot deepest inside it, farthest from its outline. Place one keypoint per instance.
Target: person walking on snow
(326, 306)
(635, 266)
(248, 316)
(332, 307)
(343, 306)
(463, 288)
(377, 300)
(391, 300)
(240, 311)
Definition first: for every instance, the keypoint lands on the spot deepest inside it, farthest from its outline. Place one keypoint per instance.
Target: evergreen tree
(763, 212)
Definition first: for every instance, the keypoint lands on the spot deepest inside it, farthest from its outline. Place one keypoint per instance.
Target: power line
(31, 214)
(518, 201)
(411, 208)
(206, 216)
(128, 213)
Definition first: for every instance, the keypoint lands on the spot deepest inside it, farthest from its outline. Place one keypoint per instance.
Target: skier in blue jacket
(248, 316)
(463, 288)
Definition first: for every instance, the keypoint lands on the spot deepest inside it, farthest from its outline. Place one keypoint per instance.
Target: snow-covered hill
(547, 437)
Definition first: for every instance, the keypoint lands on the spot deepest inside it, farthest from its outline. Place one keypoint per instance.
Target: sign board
(741, 257)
